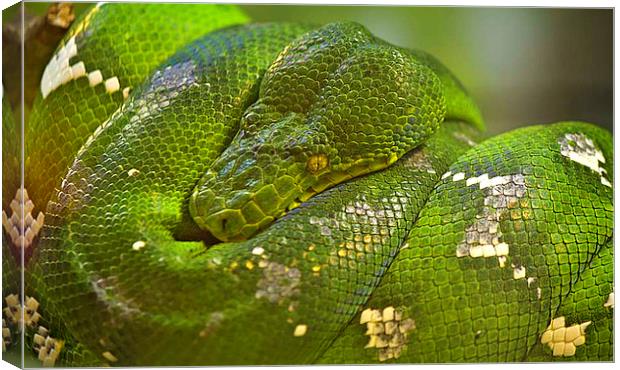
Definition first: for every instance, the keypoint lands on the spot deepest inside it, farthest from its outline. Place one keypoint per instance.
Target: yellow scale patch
(47, 348)
(563, 341)
(387, 330)
(21, 315)
(6, 336)
(300, 330)
(109, 356)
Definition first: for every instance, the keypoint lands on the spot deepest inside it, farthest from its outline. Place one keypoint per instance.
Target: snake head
(336, 103)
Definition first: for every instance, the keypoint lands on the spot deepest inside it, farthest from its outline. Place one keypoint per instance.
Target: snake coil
(284, 193)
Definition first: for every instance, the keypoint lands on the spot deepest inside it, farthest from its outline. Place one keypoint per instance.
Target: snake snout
(237, 216)
(256, 179)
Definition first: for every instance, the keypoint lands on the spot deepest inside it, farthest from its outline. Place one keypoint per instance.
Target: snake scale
(202, 190)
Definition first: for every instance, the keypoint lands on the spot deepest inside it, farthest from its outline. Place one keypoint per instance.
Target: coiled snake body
(361, 216)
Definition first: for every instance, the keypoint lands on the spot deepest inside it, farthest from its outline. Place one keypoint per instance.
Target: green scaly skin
(157, 31)
(249, 121)
(11, 274)
(558, 224)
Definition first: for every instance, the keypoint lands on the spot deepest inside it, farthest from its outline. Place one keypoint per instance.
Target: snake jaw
(267, 166)
(237, 218)
(244, 212)
(233, 206)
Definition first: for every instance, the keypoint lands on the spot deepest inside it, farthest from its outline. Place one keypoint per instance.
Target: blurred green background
(523, 65)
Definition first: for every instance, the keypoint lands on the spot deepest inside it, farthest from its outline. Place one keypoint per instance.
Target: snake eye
(316, 163)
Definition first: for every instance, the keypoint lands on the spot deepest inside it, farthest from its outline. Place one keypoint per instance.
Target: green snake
(217, 192)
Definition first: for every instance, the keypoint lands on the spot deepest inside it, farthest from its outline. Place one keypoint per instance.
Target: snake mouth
(242, 193)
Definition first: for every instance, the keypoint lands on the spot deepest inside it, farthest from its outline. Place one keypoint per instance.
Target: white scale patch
(59, 72)
(464, 138)
(483, 237)
(379, 221)
(214, 322)
(518, 272)
(126, 92)
(610, 301)
(133, 172)
(580, 148)
(458, 176)
(138, 245)
(278, 282)
(564, 341)
(14, 225)
(95, 78)
(420, 160)
(112, 85)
